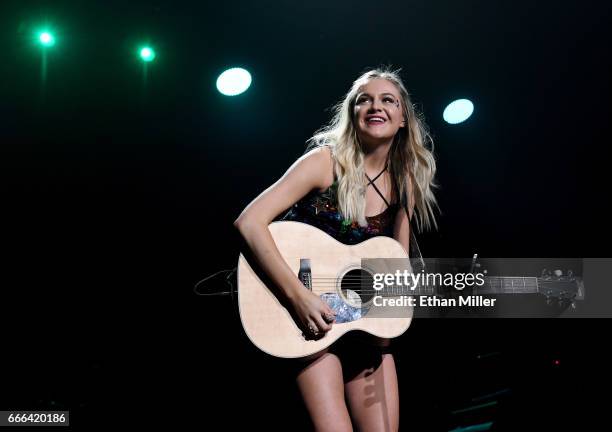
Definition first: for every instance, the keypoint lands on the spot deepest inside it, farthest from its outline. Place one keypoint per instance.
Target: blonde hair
(408, 156)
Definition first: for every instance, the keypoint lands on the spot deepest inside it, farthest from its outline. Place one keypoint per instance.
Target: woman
(366, 171)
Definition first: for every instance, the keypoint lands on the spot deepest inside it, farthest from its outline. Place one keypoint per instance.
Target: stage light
(458, 111)
(147, 54)
(234, 81)
(46, 39)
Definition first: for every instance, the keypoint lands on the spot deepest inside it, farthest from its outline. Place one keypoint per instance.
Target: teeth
(376, 120)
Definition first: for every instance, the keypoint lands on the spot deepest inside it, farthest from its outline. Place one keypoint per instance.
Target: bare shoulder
(311, 171)
(320, 164)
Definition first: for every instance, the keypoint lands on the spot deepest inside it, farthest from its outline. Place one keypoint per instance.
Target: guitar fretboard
(492, 285)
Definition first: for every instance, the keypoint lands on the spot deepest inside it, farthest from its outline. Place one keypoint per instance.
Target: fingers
(320, 318)
(329, 310)
(312, 328)
(328, 314)
(317, 325)
(329, 317)
(321, 324)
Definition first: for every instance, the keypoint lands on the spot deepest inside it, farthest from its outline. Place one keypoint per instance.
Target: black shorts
(356, 350)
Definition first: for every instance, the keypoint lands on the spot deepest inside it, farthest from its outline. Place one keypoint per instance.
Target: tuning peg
(474, 258)
(558, 273)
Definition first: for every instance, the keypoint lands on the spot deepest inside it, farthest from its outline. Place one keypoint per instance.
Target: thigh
(372, 392)
(322, 389)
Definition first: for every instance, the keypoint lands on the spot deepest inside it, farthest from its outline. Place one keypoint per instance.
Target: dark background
(119, 195)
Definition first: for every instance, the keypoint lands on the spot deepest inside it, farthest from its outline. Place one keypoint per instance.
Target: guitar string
(360, 278)
(332, 288)
(354, 288)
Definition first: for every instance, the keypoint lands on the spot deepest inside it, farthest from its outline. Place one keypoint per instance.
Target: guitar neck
(491, 285)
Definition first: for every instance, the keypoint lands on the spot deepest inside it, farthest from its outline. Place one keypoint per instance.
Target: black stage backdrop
(119, 195)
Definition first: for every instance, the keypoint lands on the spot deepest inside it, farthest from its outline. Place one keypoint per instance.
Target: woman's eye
(387, 99)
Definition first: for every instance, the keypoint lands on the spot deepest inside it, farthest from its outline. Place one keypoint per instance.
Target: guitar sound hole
(357, 287)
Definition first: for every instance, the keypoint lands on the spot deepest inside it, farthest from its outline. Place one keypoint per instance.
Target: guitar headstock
(562, 286)
(557, 285)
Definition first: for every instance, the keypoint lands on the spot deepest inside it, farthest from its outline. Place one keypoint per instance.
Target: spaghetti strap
(371, 182)
(381, 195)
(378, 175)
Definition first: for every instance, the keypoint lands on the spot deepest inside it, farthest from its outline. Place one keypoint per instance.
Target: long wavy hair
(409, 155)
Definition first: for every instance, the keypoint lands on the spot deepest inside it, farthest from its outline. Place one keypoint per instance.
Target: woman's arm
(307, 173)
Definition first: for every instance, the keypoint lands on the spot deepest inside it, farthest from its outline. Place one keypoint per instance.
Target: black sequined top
(320, 209)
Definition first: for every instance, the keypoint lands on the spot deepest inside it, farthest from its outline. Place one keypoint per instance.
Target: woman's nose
(375, 105)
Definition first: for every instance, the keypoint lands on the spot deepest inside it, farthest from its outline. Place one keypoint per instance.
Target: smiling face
(378, 112)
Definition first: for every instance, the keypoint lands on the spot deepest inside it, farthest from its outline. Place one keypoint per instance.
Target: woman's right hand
(314, 315)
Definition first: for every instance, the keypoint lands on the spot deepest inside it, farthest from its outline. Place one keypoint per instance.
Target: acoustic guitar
(334, 271)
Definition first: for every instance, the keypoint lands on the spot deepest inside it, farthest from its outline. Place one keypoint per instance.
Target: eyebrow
(382, 94)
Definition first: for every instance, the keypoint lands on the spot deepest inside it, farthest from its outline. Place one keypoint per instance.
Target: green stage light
(46, 39)
(147, 54)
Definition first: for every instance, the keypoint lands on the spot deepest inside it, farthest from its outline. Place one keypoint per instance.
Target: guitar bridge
(305, 274)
